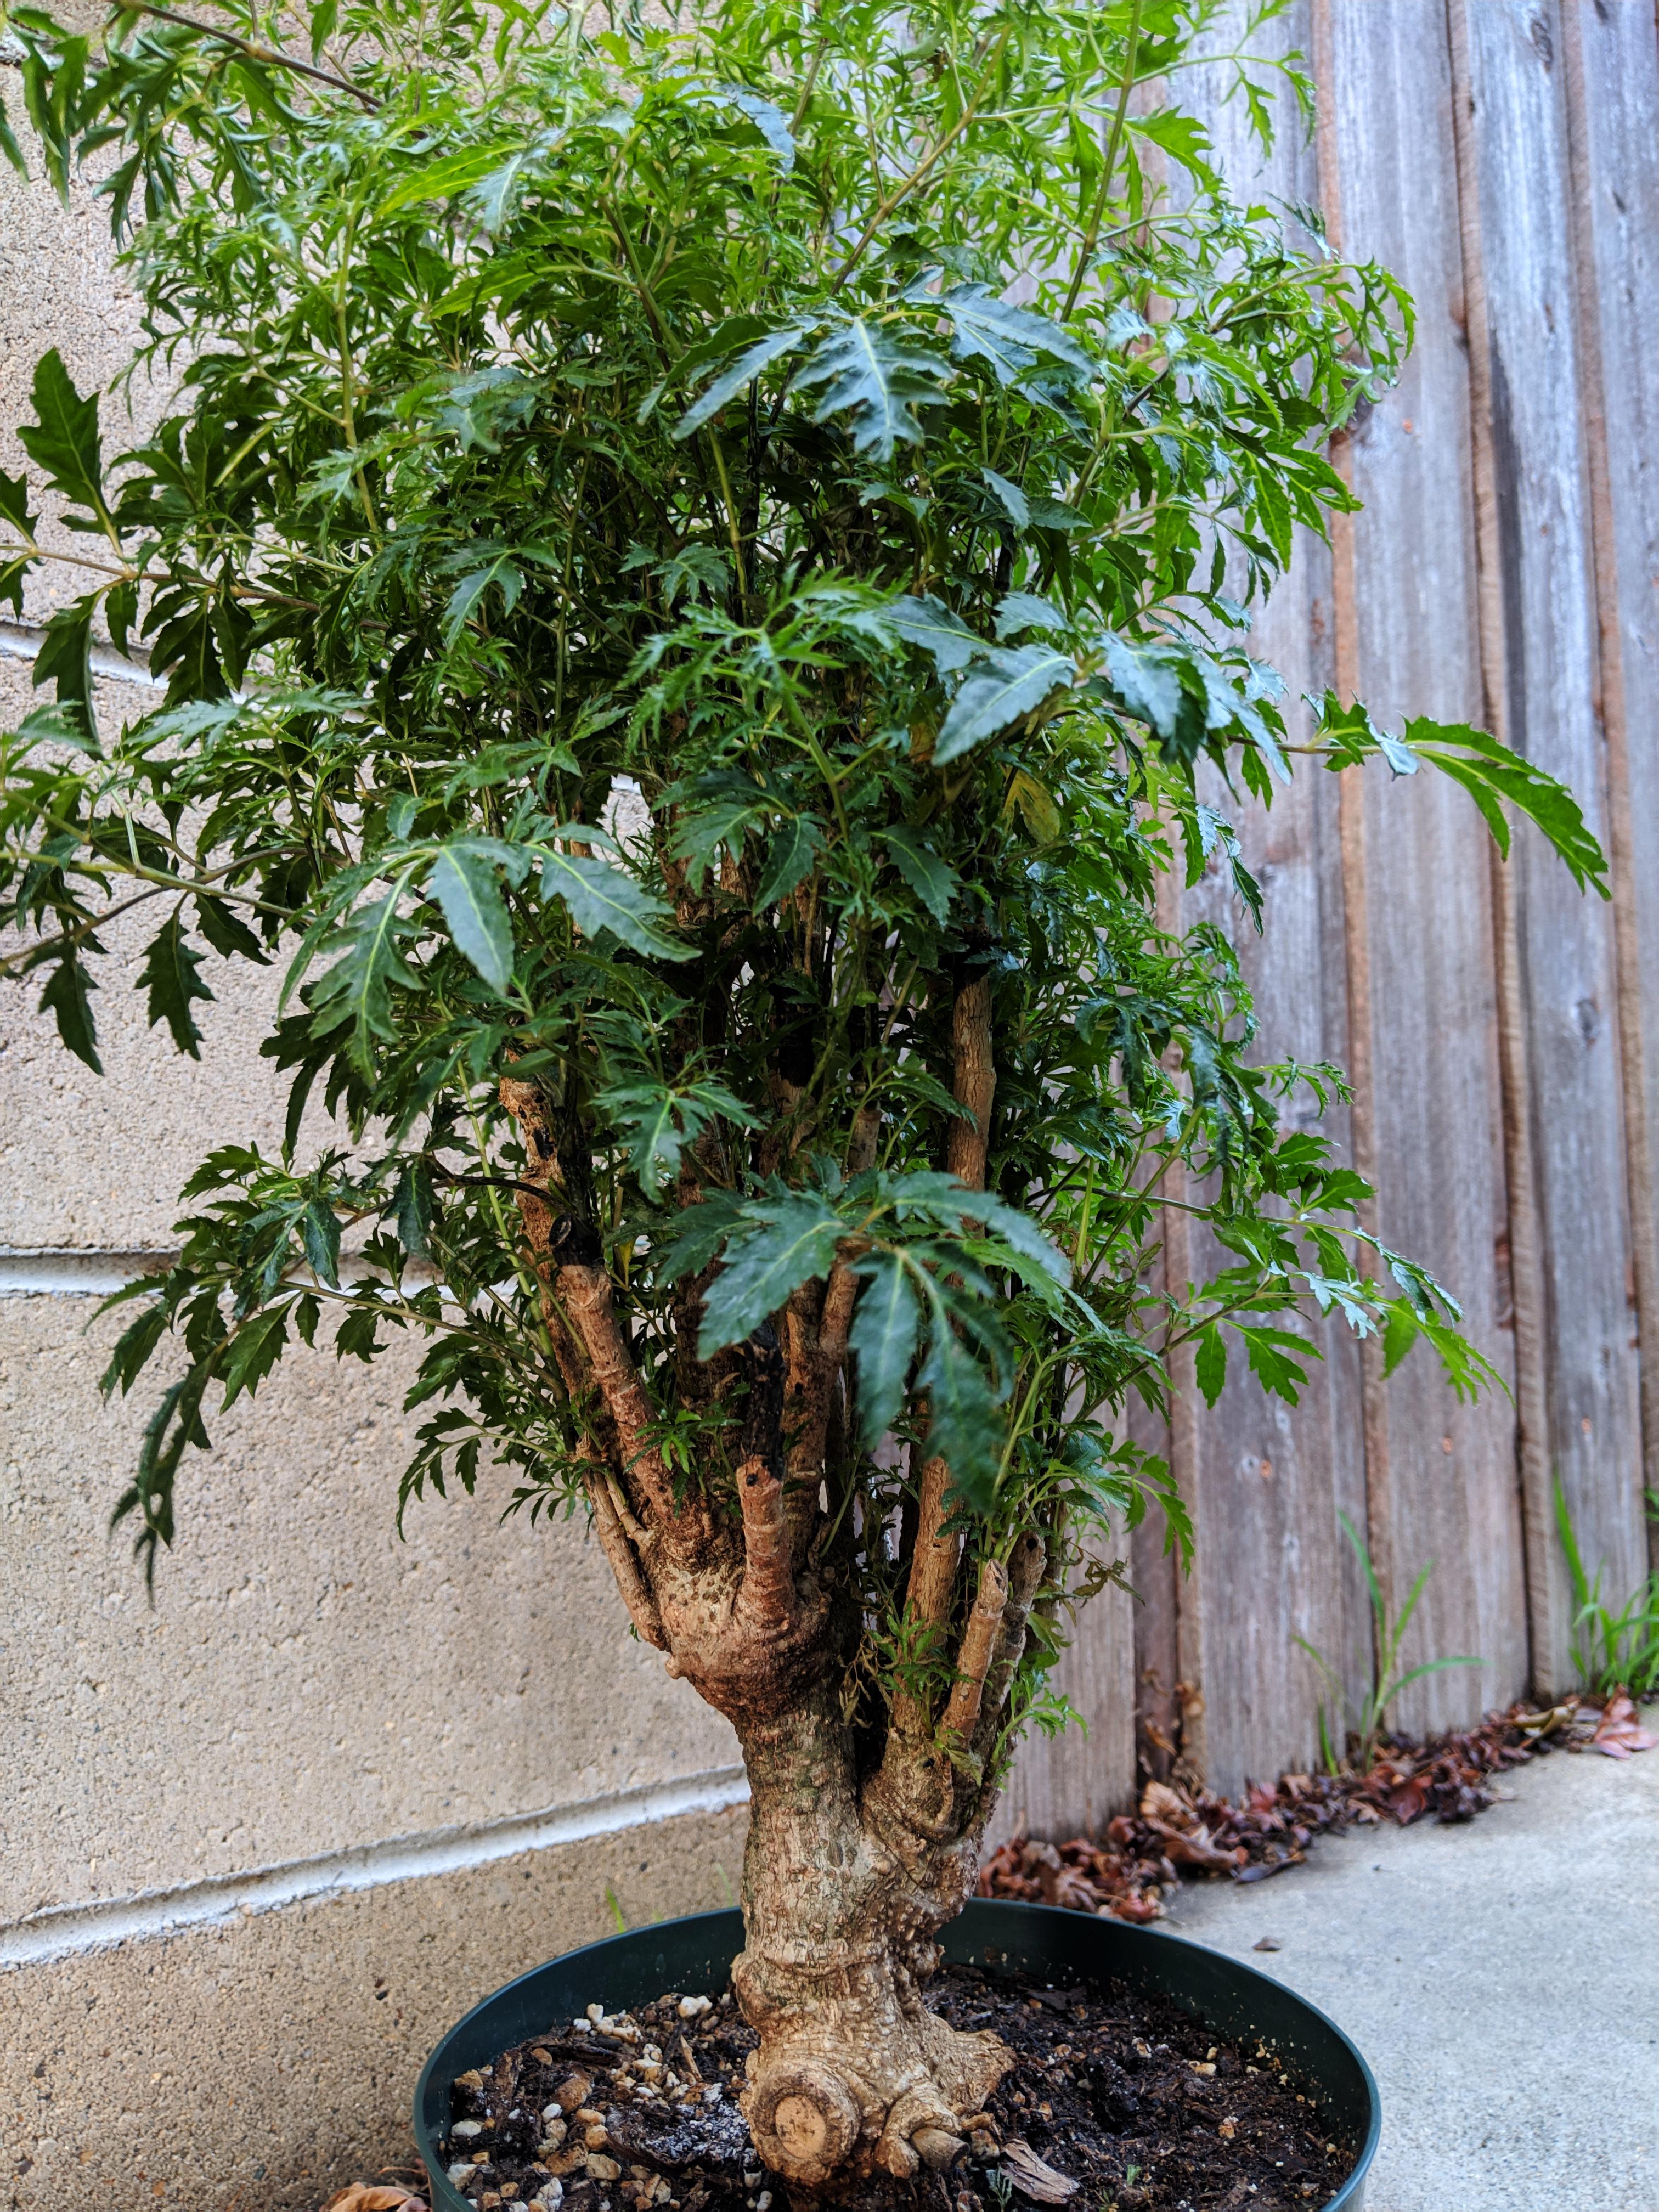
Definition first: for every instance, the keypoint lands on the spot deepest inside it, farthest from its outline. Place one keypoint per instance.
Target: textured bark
(864, 1835)
(841, 1911)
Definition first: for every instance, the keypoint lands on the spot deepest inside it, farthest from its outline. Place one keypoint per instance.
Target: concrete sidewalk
(1502, 1979)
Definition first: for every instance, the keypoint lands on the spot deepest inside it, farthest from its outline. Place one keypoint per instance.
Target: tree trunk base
(859, 2076)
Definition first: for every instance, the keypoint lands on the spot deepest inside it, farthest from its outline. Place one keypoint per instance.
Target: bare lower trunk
(853, 2072)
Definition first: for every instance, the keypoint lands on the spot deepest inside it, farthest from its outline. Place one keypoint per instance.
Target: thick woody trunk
(854, 2073)
(851, 1867)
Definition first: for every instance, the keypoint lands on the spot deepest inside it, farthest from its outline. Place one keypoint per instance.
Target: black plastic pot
(696, 1954)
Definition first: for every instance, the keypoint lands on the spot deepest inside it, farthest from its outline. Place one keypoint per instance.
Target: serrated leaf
(170, 975)
(660, 1119)
(790, 859)
(133, 1348)
(924, 621)
(882, 1337)
(65, 660)
(778, 1246)
(686, 1244)
(1011, 339)
(1009, 498)
(601, 897)
(67, 997)
(963, 1430)
(414, 1208)
(1017, 680)
(447, 179)
(741, 372)
(227, 932)
(254, 1351)
(1145, 680)
(1021, 611)
(1210, 1366)
(462, 880)
(371, 960)
(64, 437)
(319, 1233)
(934, 880)
(14, 505)
(1489, 771)
(767, 119)
(877, 378)
(1276, 1358)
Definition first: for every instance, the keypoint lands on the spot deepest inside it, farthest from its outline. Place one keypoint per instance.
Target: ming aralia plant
(700, 570)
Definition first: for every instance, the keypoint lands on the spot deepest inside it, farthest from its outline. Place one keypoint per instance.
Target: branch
(624, 1565)
(980, 1640)
(1026, 1563)
(765, 1607)
(931, 1585)
(569, 1247)
(973, 1081)
(251, 49)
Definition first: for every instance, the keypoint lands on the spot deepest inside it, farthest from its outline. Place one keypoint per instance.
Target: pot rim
(445, 2197)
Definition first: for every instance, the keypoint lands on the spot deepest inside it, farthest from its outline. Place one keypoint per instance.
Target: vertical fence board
(1437, 1109)
(1553, 680)
(1616, 164)
(1269, 1478)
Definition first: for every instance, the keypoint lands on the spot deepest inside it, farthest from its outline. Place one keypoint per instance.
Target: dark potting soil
(1120, 2093)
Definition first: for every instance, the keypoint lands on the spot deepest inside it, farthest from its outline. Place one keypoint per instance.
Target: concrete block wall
(263, 1839)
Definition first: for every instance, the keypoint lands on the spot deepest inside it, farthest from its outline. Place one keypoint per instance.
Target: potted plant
(701, 574)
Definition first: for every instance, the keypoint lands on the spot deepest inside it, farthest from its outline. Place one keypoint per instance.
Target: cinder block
(303, 1680)
(257, 2065)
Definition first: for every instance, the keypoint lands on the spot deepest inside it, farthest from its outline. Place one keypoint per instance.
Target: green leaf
(924, 621)
(767, 119)
(1017, 680)
(1489, 771)
(414, 1208)
(133, 1348)
(254, 1351)
(660, 1119)
(1020, 611)
(1275, 1357)
(14, 505)
(67, 996)
(885, 1321)
(8, 145)
(371, 960)
(933, 880)
(1011, 339)
(601, 897)
(447, 179)
(462, 880)
(790, 859)
(319, 1233)
(778, 1246)
(880, 379)
(227, 932)
(64, 439)
(963, 1430)
(1184, 139)
(756, 357)
(170, 973)
(65, 660)
(1011, 498)
(1210, 1367)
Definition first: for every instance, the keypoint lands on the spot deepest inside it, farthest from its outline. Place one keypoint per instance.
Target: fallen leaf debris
(1179, 1828)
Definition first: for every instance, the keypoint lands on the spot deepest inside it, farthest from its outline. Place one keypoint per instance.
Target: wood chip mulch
(1182, 1829)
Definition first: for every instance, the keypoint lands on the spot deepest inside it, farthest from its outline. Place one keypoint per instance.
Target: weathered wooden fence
(1501, 156)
